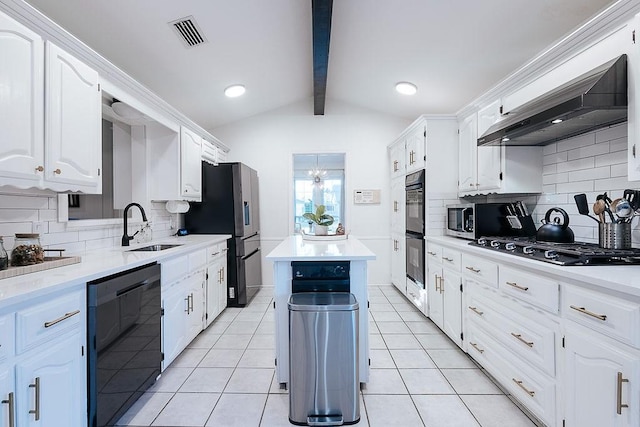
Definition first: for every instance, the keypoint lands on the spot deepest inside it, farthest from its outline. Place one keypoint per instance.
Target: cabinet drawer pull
(619, 404)
(40, 169)
(36, 411)
(475, 270)
(602, 317)
(519, 337)
(474, 345)
(531, 393)
(475, 310)
(12, 416)
(515, 285)
(215, 253)
(60, 319)
(447, 259)
(431, 253)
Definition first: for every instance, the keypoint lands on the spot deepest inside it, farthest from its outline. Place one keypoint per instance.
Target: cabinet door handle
(519, 337)
(437, 283)
(431, 253)
(515, 285)
(12, 415)
(474, 345)
(187, 300)
(619, 403)
(36, 411)
(530, 392)
(475, 270)
(61, 318)
(222, 275)
(57, 171)
(475, 310)
(447, 259)
(395, 166)
(40, 169)
(442, 284)
(602, 317)
(191, 301)
(395, 206)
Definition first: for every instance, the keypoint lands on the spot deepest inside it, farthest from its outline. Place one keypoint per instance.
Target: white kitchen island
(294, 248)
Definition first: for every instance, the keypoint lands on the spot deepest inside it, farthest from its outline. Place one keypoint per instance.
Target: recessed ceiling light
(406, 88)
(556, 121)
(234, 91)
(505, 139)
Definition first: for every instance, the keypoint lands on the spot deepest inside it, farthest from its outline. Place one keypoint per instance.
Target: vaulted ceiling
(452, 50)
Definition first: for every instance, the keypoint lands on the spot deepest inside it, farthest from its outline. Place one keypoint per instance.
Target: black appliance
(474, 220)
(230, 206)
(414, 212)
(320, 276)
(577, 253)
(123, 335)
(592, 101)
(415, 220)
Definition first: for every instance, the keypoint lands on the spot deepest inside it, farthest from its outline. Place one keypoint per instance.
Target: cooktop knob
(550, 254)
(482, 241)
(528, 250)
(510, 246)
(495, 244)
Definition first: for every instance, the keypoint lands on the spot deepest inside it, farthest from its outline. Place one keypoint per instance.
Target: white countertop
(294, 248)
(96, 264)
(624, 279)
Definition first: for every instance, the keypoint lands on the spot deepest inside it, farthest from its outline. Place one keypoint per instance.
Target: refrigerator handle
(247, 213)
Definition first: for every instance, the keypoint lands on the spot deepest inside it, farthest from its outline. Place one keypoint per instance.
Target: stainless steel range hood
(591, 101)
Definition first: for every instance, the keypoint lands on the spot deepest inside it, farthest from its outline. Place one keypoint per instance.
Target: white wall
(267, 142)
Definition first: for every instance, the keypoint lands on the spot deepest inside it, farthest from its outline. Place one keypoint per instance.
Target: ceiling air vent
(189, 31)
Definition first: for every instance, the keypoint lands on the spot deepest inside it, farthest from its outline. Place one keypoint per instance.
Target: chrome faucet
(125, 236)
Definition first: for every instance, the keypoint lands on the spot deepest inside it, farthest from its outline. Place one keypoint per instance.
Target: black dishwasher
(123, 335)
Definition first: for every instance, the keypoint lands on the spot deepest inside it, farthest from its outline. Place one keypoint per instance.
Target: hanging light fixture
(317, 173)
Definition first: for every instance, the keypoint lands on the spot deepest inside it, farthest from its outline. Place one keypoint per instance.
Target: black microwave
(474, 220)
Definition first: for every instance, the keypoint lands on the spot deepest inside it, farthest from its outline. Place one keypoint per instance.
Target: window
(318, 179)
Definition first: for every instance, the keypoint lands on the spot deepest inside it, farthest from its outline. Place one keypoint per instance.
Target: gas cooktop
(578, 253)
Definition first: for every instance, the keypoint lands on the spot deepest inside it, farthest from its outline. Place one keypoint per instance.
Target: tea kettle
(555, 231)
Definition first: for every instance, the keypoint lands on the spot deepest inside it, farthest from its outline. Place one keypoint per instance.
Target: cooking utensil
(583, 207)
(598, 209)
(555, 231)
(623, 210)
(607, 207)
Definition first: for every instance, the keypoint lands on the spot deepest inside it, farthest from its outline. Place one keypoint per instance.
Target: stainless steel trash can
(323, 359)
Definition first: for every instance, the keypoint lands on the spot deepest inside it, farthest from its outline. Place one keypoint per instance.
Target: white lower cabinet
(398, 262)
(602, 381)
(444, 290)
(216, 283)
(183, 304)
(43, 374)
(51, 385)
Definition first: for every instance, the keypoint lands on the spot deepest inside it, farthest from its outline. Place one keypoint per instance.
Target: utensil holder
(614, 235)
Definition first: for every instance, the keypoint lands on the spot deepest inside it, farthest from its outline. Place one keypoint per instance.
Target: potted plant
(321, 219)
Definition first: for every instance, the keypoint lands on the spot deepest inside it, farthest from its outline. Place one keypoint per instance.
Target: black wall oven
(415, 209)
(123, 334)
(414, 186)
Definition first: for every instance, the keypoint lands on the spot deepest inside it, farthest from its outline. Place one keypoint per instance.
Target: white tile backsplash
(18, 212)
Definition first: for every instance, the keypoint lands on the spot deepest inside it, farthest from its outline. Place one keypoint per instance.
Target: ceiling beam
(321, 14)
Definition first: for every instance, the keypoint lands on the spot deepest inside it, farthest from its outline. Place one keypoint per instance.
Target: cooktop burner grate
(578, 253)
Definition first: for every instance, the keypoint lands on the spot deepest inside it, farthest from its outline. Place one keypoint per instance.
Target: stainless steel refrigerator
(230, 206)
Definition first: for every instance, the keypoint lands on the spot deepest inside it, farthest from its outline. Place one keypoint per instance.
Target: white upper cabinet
(50, 123)
(21, 105)
(73, 123)
(494, 169)
(175, 164)
(191, 171)
(415, 148)
(633, 80)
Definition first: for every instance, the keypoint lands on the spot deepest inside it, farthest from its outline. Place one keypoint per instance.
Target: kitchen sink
(153, 248)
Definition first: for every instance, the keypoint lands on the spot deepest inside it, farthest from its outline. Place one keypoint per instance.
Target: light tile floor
(418, 376)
